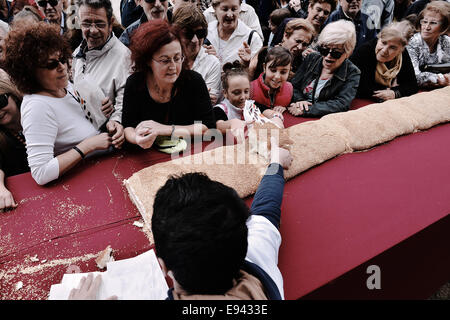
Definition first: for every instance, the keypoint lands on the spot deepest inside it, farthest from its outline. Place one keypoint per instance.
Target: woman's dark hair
(148, 39)
(278, 56)
(28, 48)
(200, 231)
(232, 69)
(189, 16)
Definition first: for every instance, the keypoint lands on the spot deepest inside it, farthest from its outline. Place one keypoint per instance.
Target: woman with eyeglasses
(162, 98)
(327, 81)
(297, 36)
(431, 45)
(56, 130)
(386, 68)
(194, 29)
(13, 154)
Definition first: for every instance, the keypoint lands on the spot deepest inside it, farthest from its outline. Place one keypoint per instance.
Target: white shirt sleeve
(264, 242)
(40, 128)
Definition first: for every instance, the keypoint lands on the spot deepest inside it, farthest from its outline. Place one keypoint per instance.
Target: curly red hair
(148, 39)
(28, 47)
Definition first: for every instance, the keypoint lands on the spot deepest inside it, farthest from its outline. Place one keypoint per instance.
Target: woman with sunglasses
(13, 155)
(431, 45)
(161, 98)
(56, 130)
(194, 29)
(386, 68)
(327, 82)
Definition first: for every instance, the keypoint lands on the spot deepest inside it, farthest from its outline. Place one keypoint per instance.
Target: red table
(335, 217)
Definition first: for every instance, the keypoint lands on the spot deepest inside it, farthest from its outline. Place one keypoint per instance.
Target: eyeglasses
(166, 62)
(54, 63)
(200, 33)
(43, 3)
(334, 53)
(153, 1)
(97, 25)
(424, 22)
(4, 100)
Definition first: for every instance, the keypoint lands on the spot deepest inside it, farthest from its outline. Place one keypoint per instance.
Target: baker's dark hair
(199, 228)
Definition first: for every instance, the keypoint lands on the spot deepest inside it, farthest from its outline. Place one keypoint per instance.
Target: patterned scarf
(385, 76)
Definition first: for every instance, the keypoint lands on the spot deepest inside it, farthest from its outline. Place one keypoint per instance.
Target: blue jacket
(364, 25)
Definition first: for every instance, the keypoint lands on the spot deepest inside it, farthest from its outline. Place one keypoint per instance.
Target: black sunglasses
(43, 3)
(153, 1)
(200, 33)
(4, 100)
(54, 63)
(334, 53)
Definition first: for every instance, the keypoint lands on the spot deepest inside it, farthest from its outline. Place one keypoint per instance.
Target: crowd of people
(77, 81)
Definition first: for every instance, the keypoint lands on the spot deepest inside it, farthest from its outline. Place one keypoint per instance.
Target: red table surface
(334, 216)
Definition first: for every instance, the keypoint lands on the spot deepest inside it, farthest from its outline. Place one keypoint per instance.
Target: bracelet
(79, 151)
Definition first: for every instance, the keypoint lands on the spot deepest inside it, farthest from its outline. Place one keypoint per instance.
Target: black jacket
(365, 59)
(336, 95)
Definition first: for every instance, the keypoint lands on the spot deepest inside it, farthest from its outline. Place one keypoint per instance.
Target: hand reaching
(299, 107)
(384, 95)
(280, 155)
(245, 53)
(88, 289)
(6, 199)
(210, 50)
(116, 132)
(107, 107)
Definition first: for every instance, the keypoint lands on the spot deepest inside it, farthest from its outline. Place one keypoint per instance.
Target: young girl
(236, 90)
(271, 91)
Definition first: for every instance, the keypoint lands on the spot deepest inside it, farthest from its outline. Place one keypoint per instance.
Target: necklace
(165, 97)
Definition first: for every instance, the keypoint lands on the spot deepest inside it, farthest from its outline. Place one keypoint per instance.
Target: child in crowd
(271, 91)
(236, 90)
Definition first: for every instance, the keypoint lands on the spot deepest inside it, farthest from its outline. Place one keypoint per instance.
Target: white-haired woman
(327, 81)
(386, 68)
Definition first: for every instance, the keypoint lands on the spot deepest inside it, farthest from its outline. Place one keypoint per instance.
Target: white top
(209, 67)
(51, 127)
(247, 15)
(230, 110)
(229, 51)
(264, 242)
